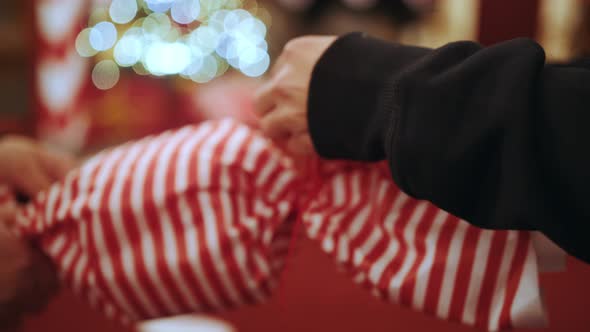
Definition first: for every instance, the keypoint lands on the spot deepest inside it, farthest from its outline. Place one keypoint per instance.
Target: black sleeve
(493, 135)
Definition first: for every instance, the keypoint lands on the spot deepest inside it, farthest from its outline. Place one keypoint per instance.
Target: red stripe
(131, 228)
(171, 207)
(514, 279)
(225, 243)
(154, 223)
(334, 211)
(56, 204)
(246, 207)
(69, 272)
(205, 257)
(437, 272)
(407, 211)
(409, 283)
(181, 246)
(109, 242)
(74, 188)
(464, 273)
(59, 256)
(245, 236)
(355, 208)
(381, 212)
(496, 256)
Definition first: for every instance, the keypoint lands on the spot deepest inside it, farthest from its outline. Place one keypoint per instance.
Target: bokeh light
(123, 11)
(105, 74)
(167, 58)
(129, 49)
(103, 36)
(185, 11)
(159, 6)
(83, 44)
(195, 39)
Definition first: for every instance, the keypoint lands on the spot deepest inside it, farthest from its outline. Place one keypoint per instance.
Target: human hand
(27, 280)
(28, 168)
(282, 100)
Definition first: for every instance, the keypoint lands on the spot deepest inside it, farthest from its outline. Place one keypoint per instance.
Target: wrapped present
(199, 220)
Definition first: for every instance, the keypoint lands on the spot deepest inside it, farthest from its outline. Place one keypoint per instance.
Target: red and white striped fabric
(183, 222)
(412, 253)
(199, 219)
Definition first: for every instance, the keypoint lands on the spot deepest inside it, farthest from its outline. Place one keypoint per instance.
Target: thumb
(56, 164)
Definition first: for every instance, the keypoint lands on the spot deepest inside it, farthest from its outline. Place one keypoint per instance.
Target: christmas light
(195, 39)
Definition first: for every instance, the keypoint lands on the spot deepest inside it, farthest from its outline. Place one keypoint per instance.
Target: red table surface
(316, 297)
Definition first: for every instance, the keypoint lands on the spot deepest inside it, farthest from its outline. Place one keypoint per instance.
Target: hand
(27, 280)
(29, 168)
(282, 101)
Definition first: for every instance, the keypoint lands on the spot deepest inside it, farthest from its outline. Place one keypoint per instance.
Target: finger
(264, 98)
(8, 213)
(56, 164)
(283, 123)
(271, 92)
(300, 145)
(32, 180)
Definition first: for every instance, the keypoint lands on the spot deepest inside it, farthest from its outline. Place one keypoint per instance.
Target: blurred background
(83, 75)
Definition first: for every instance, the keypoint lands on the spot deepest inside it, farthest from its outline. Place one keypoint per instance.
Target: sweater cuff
(351, 104)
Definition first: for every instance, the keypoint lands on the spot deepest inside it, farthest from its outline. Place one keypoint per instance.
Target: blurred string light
(194, 39)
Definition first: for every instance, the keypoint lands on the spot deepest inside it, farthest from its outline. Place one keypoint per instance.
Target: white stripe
(314, 222)
(394, 214)
(66, 195)
(261, 262)
(267, 170)
(528, 310)
(212, 241)
(187, 151)
(57, 245)
(209, 216)
(281, 183)
(105, 264)
(500, 289)
(384, 186)
(84, 188)
(255, 149)
(78, 269)
(361, 251)
(450, 274)
(359, 221)
(335, 220)
(359, 278)
(148, 253)
(478, 272)
(83, 241)
(239, 250)
(125, 255)
(423, 272)
(381, 263)
(409, 237)
(188, 223)
(338, 190)
(160, 192)
(317, 220)
(50, 207)
(234, 145)
(67, 260)
(206, 152)
(210, 219)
